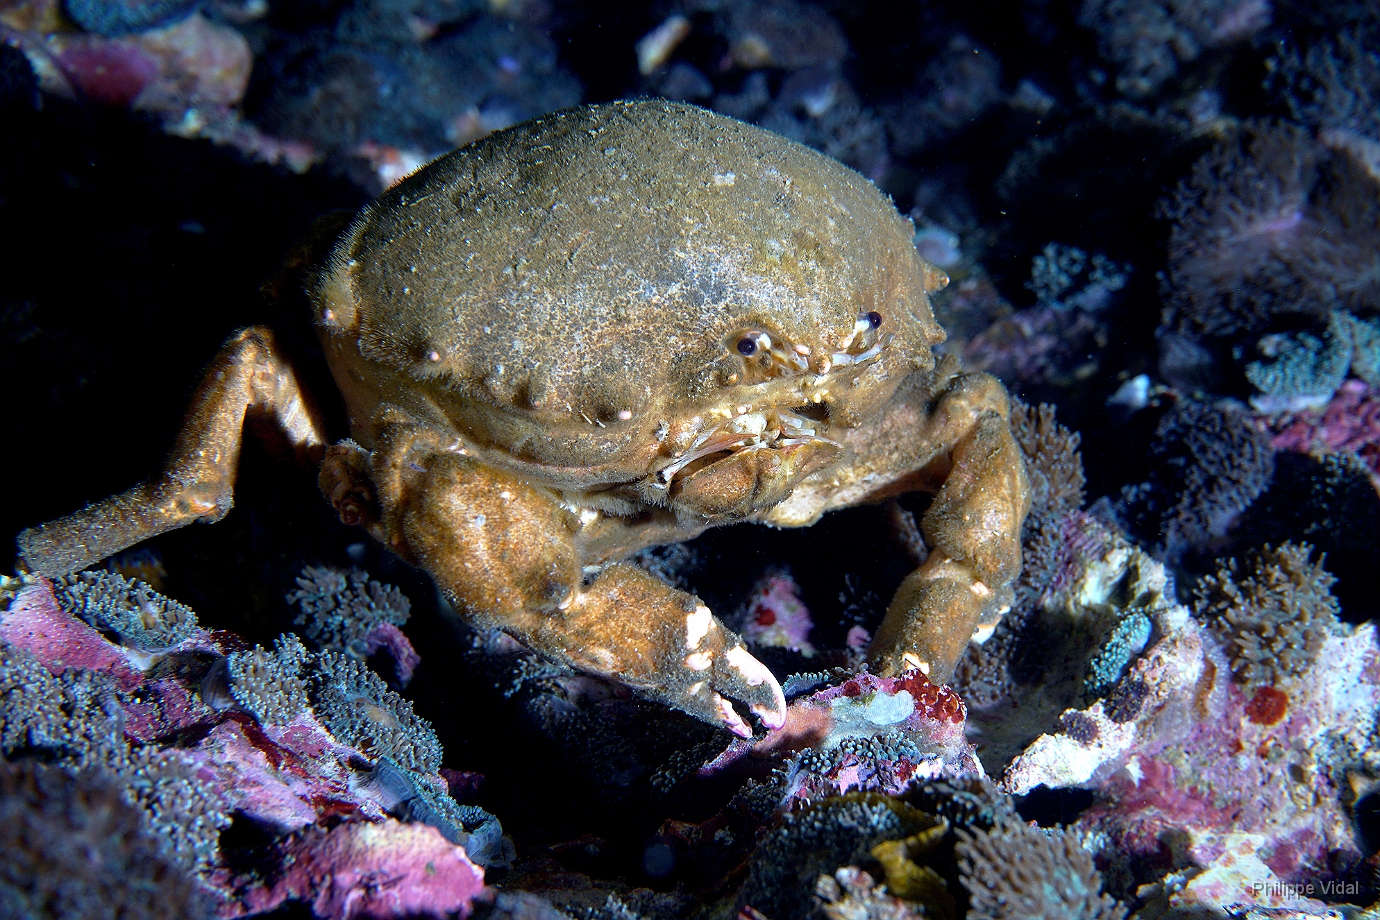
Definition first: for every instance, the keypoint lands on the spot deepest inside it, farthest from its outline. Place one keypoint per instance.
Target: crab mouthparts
(772, 428)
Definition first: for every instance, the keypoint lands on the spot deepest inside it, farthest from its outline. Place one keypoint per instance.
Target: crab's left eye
(874, 319)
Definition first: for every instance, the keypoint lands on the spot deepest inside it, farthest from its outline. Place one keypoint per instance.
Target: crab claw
(633, 628)
(723, 675)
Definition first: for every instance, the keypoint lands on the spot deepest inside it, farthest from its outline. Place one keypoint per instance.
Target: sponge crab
(605, 329)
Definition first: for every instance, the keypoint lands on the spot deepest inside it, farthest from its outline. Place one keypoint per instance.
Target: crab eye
(874, 319)
(753, 342)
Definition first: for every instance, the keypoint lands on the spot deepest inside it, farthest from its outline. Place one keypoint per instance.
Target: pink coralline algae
(1349, 422)
(777, 618)
(390, 638)
(389, 869)
(327, 803)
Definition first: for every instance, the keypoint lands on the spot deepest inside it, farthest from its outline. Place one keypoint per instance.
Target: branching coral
(1274, 620)
(1052, 461)
(361, 711)
(1269, 224)
(1148, 40)
(1334, 85)
(74, 847)
(1018, 872)
(131, 610)
(1209, 464)
(269, 685)
(1065, 278)
(350, 613)
(73, 717)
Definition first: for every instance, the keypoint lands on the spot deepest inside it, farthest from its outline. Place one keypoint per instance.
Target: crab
(606, 329)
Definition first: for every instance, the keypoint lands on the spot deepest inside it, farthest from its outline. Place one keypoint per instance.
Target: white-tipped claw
(772, 717)
(755, 674)
(729, 718)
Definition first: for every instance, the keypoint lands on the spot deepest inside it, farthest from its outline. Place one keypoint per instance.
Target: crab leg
(197, 483)
(973, 527)
(503, 551)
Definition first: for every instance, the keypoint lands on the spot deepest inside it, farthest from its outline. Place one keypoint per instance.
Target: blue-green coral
(1126, 641)
(269, 685)
(72, 718)
(1303, 365)
(340, 608)
(75, 719)
(360, 710)
(126, 608)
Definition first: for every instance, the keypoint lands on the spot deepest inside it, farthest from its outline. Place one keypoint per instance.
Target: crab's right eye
(754, 342)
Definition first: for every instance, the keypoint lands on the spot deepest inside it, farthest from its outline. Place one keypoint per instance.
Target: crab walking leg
(504, 553)
(974, 530)
(197, 482)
